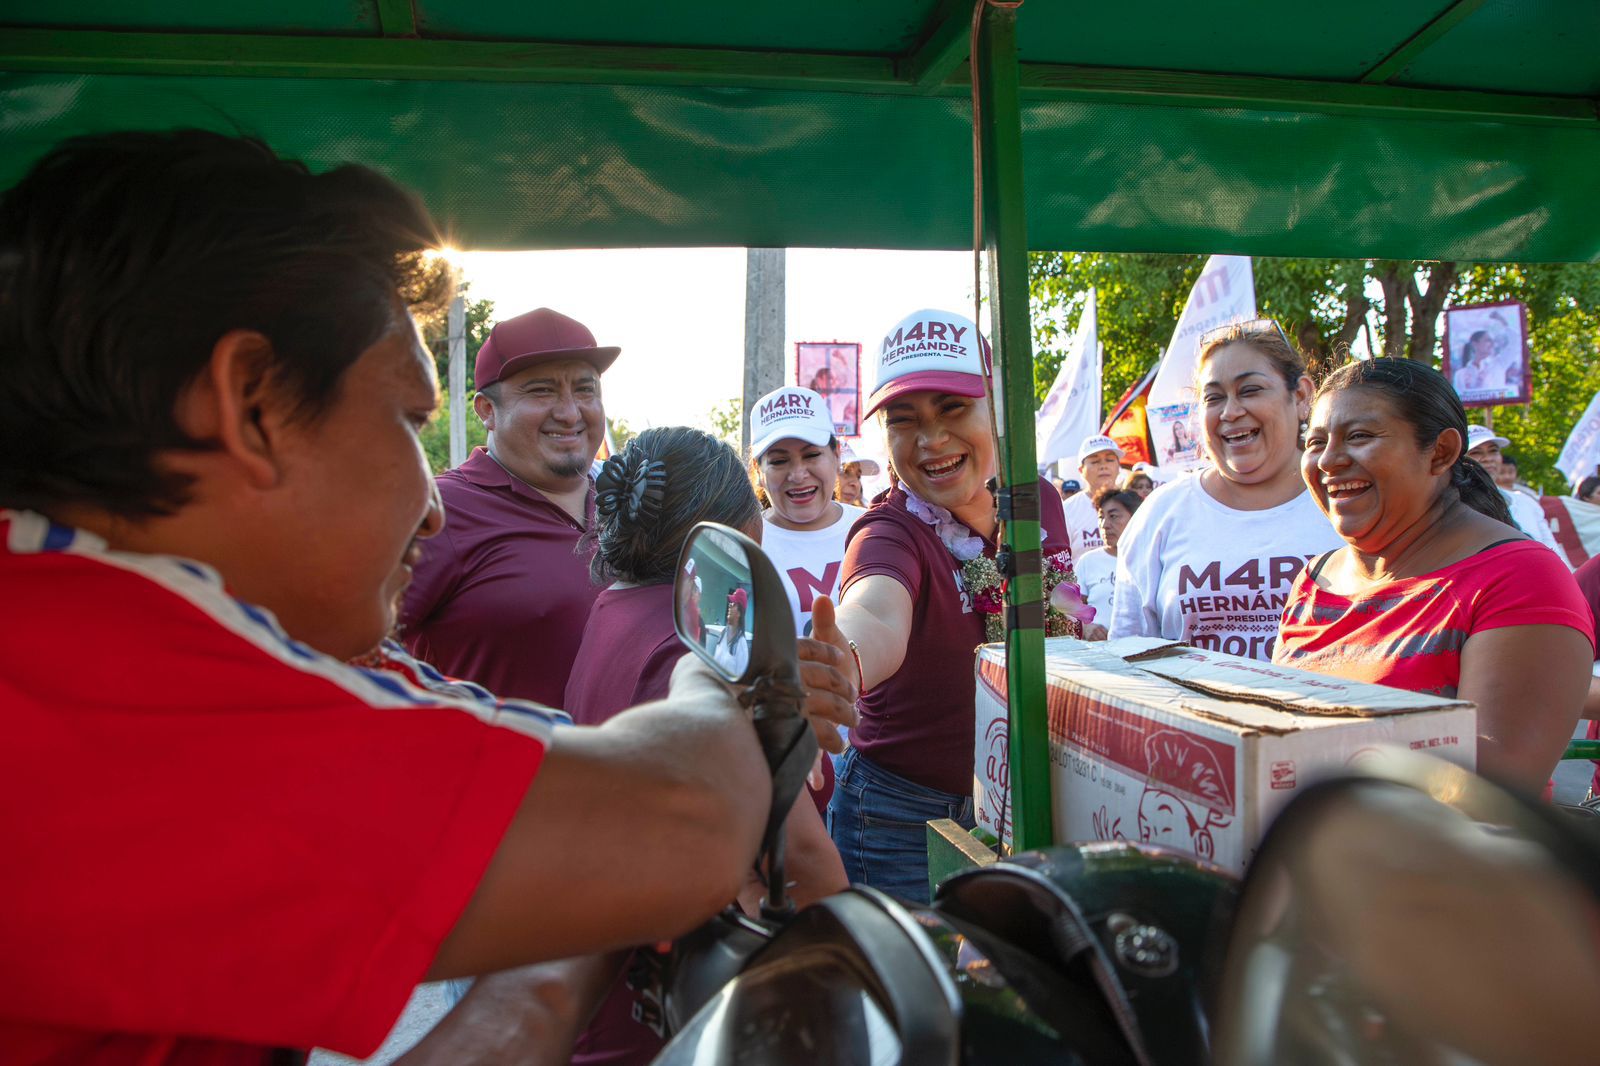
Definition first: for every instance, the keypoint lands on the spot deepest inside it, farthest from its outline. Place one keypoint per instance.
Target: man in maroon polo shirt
(502, 594)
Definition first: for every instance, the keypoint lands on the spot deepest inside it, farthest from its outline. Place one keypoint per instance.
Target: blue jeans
(878, 821)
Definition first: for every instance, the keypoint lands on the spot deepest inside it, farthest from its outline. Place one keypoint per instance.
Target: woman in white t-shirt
(1209, 559)
(794, 463)
(1097, 570)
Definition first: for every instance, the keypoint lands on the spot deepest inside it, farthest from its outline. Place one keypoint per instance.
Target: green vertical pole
(1005, 238)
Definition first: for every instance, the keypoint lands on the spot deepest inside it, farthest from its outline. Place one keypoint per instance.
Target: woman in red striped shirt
(1435, 590)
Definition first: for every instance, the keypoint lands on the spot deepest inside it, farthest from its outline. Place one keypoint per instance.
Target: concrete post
(763, 331)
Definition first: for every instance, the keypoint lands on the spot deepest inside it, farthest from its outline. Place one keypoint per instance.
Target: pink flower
(1068, 599)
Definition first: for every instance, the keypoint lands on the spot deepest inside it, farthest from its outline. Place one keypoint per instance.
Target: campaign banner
(1175, 435)
(1486, 354)
(833, 369)
(1224, 292)
(1071, 412)
(1580, 455)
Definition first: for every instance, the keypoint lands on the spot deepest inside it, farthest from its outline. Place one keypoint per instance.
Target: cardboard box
(1196, 750)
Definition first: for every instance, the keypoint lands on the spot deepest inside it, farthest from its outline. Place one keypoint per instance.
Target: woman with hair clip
(1209, 559)
(1434, 589)
(647, 499)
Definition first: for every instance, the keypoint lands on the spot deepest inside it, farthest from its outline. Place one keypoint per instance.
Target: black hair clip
(631, 485)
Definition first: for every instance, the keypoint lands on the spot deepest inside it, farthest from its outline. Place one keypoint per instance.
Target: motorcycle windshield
(809, 1007)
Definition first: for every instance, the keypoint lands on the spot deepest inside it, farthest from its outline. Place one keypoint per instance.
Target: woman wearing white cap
(1099, 463)
(1526, 514)
(907, 611)
(852, 468)
(794, 464)
(1209, 559)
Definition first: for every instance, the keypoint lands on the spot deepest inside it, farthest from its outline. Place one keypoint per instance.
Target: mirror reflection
(715, 605)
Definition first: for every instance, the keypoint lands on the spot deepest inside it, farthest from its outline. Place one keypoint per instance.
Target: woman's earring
(1305, 424)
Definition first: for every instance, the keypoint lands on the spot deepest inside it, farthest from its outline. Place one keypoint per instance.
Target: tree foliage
(724, 419)
(621, 432)
(1327, 305)
(435, 334)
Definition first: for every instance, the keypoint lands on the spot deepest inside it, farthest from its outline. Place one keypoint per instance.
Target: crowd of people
(323, 727)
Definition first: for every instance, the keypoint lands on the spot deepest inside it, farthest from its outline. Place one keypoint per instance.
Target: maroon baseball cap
(536, 337)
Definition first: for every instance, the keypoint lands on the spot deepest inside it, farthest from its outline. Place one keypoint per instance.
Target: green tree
(435, 333)
(724, 419)
(621, 432)
(1325, 304)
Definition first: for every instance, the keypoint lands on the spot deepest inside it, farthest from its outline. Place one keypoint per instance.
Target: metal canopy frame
(938, 66)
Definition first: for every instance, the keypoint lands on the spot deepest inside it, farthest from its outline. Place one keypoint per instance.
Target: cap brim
(869, 467)
(599, 358)
(954, 382)
(809, 434)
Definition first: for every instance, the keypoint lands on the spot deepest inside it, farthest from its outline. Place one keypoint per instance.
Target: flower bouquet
(1065, 610)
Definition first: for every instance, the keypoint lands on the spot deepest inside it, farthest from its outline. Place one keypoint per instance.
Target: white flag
(1071, 412)
(1224, 292)
(1582, 450)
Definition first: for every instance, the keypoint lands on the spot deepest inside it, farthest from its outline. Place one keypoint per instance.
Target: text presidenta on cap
(929, 351)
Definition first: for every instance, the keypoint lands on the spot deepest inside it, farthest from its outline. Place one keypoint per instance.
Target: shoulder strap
(1320, 561)
(1498, 543)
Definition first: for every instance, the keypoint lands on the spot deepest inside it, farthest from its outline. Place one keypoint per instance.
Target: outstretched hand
(828, 672)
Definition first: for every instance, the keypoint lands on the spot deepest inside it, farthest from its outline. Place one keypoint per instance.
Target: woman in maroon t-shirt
(906, 607)
(648, 498)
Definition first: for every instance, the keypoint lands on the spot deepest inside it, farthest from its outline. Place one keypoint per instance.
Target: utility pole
(763, 331)
(457, 334)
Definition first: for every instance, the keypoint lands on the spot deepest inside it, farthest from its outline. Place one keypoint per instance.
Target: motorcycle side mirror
(1414, 913)
(731, 609)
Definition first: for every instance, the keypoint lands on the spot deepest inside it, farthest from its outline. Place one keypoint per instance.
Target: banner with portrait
(1486, 354)
(833, 369)
(1174, 434)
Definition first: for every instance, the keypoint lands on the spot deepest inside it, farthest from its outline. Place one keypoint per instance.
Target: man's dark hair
(125, 257)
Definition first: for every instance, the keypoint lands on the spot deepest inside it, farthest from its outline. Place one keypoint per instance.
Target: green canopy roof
(1388, 128)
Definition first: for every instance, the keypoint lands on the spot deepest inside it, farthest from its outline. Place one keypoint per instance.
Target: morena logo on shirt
(789, 405)
(808, 586)
(1240, 615)
(924, 338)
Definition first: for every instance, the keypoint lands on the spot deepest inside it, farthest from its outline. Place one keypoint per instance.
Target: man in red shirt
(502, 594)
(220, 838)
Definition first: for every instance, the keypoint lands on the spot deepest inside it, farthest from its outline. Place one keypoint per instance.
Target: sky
(678, 314)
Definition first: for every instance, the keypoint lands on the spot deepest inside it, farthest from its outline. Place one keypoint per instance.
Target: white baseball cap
(789, 412)
(1477, 435)
(929, 351)
(1091, 445)
(869, 467)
